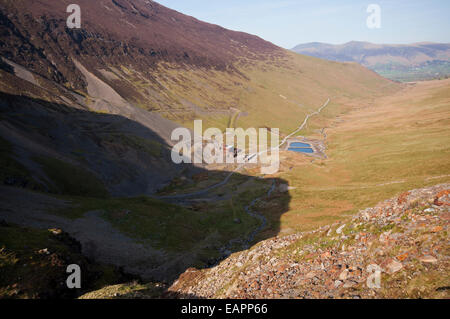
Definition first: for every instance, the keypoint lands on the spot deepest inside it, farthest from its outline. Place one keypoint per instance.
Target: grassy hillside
(374, 152)
(277, 93)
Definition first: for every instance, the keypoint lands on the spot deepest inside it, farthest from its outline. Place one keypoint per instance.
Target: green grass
(150, 147)
(166, 226)
(69, 179)
(277, 93)
(132, 290)
(11, 171)
(401, 143)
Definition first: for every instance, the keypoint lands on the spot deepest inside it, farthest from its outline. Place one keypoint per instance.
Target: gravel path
(246, 241)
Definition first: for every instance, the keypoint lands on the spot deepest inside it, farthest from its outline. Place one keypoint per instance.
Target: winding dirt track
(246, 241)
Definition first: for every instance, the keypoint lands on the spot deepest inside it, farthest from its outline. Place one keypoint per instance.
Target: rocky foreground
(397, 249)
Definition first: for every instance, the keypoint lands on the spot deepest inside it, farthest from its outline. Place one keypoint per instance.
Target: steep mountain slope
(133, 36)
(398, 62)
(54, 142)
(133, 56)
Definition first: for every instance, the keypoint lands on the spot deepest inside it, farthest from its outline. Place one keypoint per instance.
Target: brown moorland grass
(398, 143)
(276, 93)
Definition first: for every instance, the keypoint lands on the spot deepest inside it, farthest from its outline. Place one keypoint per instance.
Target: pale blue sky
(291, 22)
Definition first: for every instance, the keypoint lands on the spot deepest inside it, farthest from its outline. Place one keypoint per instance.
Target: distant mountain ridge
(418, 61)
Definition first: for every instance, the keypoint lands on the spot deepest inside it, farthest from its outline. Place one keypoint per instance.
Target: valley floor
(375, 151)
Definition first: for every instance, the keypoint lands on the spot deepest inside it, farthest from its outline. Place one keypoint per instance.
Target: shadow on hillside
(130, 160)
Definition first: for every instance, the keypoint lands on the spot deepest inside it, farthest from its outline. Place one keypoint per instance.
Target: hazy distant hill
(417, 61)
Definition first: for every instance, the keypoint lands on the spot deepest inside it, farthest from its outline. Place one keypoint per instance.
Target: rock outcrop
(397, 249)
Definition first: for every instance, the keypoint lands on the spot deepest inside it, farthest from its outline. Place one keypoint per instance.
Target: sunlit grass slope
(276, 92)
(399, 143)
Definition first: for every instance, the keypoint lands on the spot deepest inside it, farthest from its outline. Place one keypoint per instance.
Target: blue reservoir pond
(300, 148)
(298, 144)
